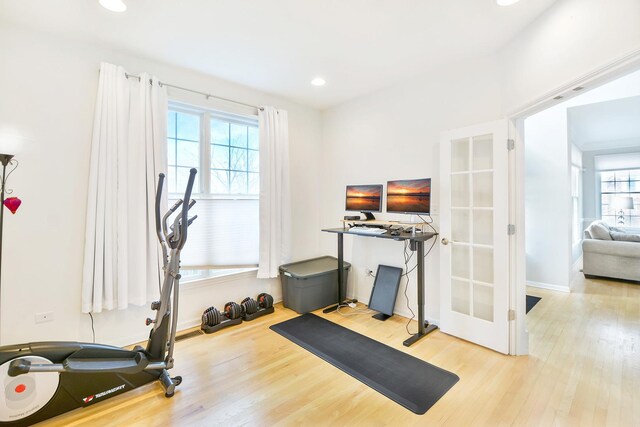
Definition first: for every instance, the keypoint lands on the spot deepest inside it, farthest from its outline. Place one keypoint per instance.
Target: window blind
(225, 234)
(617, 161)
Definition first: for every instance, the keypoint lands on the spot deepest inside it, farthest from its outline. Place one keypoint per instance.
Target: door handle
(445, 241)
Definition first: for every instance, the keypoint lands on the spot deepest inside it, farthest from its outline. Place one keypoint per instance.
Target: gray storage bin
(311, 284)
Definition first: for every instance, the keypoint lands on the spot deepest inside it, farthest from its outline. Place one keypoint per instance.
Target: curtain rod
(206, 95)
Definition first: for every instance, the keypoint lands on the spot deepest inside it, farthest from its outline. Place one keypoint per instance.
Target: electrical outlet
(44, 317)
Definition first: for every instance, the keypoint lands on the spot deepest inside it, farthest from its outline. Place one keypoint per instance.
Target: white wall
(548, 198)
(395, 134)
(48, 87)
(569, 40)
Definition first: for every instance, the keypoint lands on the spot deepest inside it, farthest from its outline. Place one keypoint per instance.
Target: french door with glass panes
(474, 271)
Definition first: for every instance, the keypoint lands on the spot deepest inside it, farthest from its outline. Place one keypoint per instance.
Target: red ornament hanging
(12, 203)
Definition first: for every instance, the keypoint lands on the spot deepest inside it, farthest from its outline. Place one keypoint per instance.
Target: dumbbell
(265, 300)
(212, 316)
(249, 306)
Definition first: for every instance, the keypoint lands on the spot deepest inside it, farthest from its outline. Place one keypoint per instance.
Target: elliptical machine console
(44, 379)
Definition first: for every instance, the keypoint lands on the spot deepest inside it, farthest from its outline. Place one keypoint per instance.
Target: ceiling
(609, 124)
(278, 46)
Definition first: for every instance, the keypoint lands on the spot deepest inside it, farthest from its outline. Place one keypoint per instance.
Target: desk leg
(424, 328)
(342, 286)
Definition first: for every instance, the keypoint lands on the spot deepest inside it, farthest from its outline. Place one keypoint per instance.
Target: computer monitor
(365, 199)
(410, 196)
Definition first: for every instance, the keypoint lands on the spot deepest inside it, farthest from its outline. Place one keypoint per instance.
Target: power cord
(93, 331)
(407, 259)
(356, 310)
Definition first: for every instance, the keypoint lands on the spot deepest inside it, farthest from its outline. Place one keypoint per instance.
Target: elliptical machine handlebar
(186, 205)
(158, 203)
(176, 237)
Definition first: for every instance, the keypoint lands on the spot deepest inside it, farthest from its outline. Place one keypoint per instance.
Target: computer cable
(425, 221)
(356, 310)
(407, 259)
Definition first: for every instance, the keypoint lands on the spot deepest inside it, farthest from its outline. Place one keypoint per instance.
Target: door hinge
(511, 315)
(511, 144)
(511, 229)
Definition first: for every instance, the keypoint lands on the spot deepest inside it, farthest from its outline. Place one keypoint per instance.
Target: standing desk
(416, 242)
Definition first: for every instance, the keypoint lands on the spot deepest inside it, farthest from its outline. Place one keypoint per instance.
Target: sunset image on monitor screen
(409, 196)
(364, 198)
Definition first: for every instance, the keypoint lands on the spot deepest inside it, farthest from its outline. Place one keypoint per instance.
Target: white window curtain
(122, 260)
(275, 198)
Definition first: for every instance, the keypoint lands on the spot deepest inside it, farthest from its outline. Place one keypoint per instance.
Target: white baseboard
(548, 286)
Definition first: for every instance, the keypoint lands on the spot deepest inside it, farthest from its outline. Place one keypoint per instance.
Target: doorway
(571, 147)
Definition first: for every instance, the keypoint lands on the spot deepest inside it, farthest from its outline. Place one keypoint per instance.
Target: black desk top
(418, 237)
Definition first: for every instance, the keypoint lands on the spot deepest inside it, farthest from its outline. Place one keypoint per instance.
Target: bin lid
(312, 267)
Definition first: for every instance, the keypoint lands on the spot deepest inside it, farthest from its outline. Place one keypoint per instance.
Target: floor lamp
(622, 203)
(9, 164)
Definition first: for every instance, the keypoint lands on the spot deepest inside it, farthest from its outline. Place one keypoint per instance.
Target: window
(224, 148)
(228, 164)
(614, 186)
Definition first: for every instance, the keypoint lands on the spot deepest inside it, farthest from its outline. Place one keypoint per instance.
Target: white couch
(611, 252)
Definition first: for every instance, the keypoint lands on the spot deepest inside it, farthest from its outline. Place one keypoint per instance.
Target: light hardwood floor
(583, 370)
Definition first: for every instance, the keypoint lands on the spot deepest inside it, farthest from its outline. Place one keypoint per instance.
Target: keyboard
(367, 230)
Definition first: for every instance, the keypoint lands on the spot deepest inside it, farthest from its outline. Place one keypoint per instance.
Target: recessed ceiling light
(506, 2)
(318, 81)
(114, 5)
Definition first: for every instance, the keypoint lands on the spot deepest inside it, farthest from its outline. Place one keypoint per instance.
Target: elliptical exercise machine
(44, 379)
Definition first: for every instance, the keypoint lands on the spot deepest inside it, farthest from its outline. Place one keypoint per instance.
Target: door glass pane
(460, 261)
(460, 226)
(483, 302)
(460, 190)
(483, 189)
(460, 155)
(460, 296)
(483, 264)
(483, 227)
(482, 152)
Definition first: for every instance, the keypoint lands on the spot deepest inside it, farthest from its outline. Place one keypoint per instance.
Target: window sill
(222, 278)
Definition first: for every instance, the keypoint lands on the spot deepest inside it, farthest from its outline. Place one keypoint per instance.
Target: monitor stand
(381, 316)
(369, 216)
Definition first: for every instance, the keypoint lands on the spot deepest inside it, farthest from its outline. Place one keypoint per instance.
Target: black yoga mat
(411, 382)
(531, 302)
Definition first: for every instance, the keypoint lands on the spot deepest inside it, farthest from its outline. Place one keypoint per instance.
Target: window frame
(205, 166)
(614, 193)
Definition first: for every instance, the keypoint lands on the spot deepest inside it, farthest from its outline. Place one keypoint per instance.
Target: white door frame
(519, 336)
